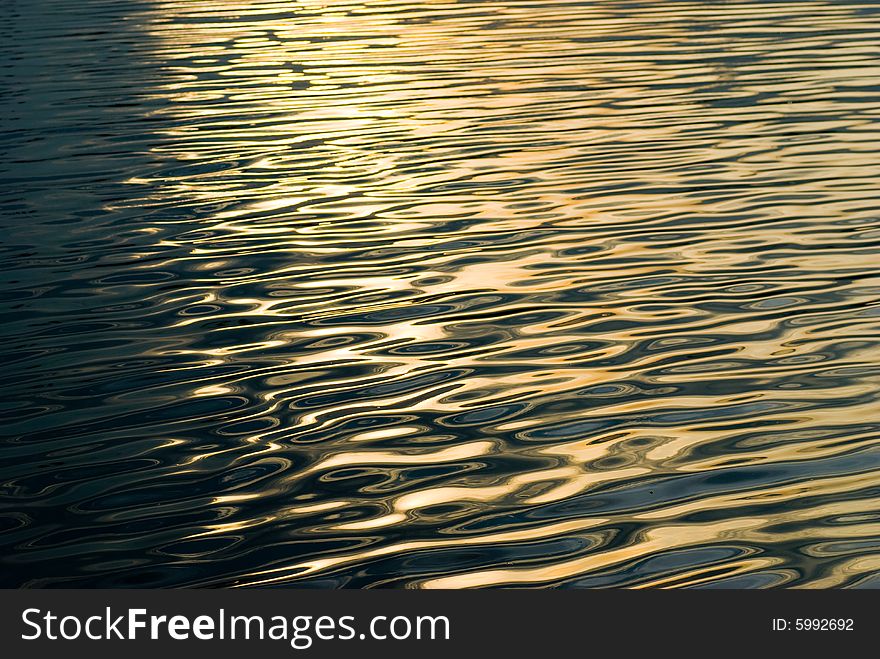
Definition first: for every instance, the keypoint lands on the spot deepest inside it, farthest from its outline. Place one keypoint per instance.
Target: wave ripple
(453, 293)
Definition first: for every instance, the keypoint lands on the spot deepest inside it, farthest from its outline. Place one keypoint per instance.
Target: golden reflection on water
(572, 155)
(570, 293)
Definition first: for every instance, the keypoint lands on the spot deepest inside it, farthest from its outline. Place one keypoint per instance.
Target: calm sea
(441, 293)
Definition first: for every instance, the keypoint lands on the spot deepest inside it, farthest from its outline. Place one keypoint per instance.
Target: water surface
(452, 293)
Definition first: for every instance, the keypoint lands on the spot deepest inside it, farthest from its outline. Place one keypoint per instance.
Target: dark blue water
(440, 294)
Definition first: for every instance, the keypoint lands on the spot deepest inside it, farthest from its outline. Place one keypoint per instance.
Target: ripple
(475, 293)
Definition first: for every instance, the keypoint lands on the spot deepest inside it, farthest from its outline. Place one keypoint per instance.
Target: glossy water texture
(451, 293)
